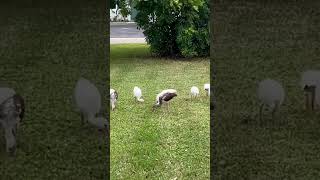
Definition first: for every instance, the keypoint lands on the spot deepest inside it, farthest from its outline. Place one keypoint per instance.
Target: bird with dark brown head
(165, 96)
(19, 105)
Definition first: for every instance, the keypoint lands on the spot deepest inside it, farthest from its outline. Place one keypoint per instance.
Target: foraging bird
(164, 97)
(113, 98)
(206, 87)
(271, 94)
(12, 108)
(88, 100)
(194, 92)
(6, 93)
(309, 81)
(137, 93)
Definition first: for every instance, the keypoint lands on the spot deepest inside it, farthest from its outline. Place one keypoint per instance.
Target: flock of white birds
(88, 100)
(164, 97)
(272, 94)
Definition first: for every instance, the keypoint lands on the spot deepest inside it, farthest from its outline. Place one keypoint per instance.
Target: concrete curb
(128, 41)
(122, 23)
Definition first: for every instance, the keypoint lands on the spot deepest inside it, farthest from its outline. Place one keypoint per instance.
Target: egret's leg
(275, 109)
(86, 117)
(313, 96)
(260, 113)
(14, 130)
(306, 100)
(82, 118)
(113, 106)
(168, 104)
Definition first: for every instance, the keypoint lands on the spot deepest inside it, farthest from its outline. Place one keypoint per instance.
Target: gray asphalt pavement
(125, 31)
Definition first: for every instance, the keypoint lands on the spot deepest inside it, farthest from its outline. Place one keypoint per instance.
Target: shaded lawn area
(161, 144)
(43, 51)
(254, 41)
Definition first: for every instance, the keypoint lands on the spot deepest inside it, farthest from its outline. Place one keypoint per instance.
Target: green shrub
(175, 27)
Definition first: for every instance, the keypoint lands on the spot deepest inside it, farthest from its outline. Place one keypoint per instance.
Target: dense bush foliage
(175, 27)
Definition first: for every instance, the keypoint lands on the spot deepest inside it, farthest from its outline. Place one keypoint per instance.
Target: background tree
(113, 4)
(175, 27)
(124, 8)
(123, 5)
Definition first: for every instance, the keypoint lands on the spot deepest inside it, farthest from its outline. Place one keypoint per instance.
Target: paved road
(125, 33)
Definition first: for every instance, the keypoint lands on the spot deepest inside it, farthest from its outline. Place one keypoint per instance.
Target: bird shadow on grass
(175, 58)
(266, 121)
(292, 119)
(201, 99)
(137, 103)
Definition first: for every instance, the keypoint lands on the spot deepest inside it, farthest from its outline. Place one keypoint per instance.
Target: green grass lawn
(161, 144)
(254, 41)
(42, 54)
